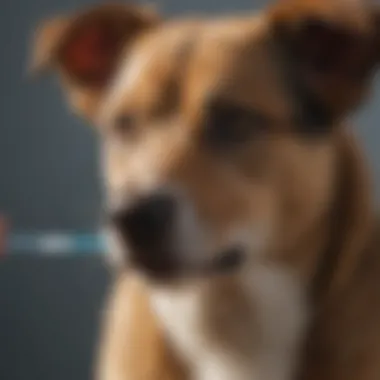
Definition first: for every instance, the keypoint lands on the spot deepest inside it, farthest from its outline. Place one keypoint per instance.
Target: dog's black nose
(147, 224)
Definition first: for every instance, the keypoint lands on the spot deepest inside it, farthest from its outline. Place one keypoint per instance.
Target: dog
(240, 216)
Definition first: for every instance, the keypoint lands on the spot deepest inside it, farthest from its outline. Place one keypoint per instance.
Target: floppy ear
(331, 48)
(86, 48)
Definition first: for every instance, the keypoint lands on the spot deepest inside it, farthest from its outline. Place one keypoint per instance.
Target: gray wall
(48, 164)
(49, 317)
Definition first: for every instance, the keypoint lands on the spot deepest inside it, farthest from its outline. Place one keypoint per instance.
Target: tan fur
(306, 302)
(142, 353)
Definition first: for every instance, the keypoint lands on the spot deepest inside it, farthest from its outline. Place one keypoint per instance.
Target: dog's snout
(147, 223)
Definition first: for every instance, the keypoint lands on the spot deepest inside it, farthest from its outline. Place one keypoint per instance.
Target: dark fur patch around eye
(227, 125)
(124, 126)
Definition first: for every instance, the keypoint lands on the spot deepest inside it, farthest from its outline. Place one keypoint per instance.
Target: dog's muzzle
(148, 229)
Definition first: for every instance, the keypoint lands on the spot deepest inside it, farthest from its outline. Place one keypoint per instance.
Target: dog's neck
(349, 226)
(237, 327)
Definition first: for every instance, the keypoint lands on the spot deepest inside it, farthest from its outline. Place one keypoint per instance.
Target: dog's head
(221, 138)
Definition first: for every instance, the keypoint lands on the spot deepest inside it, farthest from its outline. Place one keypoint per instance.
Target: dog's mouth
(164, 265)
(159, 247)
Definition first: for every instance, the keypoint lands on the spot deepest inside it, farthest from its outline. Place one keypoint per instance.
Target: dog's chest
(249, 332)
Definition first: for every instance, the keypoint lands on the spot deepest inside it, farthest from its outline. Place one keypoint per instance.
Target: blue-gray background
(49, 308)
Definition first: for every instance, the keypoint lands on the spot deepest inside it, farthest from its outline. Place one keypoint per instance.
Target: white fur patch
(276, 331)
(282, 314)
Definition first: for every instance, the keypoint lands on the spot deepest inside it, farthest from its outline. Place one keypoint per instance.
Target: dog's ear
(332, 47)
(85, 48)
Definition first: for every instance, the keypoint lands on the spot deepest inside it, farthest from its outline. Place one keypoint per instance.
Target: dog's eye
(124, 125)
(228, 125)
